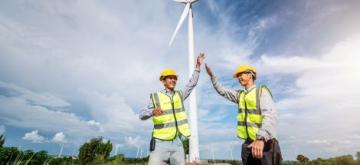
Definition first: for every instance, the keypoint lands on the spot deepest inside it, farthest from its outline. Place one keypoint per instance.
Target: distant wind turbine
(194, 140)
(137, 153)
(60, 151)
(212, 150)
(141, 153)
(116, 148)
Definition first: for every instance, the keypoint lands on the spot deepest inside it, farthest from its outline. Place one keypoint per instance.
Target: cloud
(44, 118)
(321, 98)
(59, 138)
(354, 137)
(34, 137)
(2, 129)
(316, 141)
(43, 99)
(96, 125)
(134, 141)
(113, 112)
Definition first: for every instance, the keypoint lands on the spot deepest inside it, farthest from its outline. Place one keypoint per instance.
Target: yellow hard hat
(167, 72)
(243, 68)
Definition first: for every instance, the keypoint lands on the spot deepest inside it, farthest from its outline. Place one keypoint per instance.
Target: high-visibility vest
(249, 114)
(173, 117)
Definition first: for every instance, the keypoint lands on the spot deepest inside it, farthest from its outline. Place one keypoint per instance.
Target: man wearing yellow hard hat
(257, 117)
(169, 118)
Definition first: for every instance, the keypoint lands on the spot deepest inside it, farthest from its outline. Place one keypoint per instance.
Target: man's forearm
(192, 83)
(229, 94)
(146, 113)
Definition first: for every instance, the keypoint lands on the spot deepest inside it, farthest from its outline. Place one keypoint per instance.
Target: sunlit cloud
(34, 137)
(134, 141)
(59, 138)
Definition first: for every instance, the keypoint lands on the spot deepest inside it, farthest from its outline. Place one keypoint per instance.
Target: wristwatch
(259, 137)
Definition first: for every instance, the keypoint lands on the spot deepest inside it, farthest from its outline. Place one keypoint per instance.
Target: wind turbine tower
(194, 139)
(60, 151)
(116, 148)
(212, 150)
(137, 153)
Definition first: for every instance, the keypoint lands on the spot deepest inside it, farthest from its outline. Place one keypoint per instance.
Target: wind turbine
(231, 151)
(60, 151)
(194, 140)
(212, 150)
(116, 148)
(137, 153)
(141, 151)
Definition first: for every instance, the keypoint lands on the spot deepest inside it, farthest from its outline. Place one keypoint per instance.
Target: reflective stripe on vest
(173, 117)
(249, 114)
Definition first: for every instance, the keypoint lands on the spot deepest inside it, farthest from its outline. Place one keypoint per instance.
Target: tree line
(339, 160)
(93, 152)
(96, 151)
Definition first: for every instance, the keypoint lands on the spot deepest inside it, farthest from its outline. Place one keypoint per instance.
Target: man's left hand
(257, 148)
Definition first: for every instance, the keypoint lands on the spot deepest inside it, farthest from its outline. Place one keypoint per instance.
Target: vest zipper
(246, 113)
(172, 105)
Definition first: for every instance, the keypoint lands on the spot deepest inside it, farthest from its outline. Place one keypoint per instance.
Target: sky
(77, 69)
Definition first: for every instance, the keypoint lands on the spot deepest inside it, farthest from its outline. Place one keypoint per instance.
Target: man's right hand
(210, 73)
(157, 112)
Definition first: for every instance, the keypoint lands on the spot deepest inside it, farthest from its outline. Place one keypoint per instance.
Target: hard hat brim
(235, 75)
(160, 78)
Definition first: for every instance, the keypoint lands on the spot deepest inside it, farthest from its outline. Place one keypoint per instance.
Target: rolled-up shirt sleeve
(270, 116)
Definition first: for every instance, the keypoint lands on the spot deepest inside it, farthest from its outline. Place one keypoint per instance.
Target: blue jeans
(165, 151)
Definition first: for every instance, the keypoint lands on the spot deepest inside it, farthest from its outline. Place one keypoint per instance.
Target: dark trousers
(271, 154)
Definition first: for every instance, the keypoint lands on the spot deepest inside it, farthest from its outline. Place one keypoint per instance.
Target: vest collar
(167, 93)
(248, 90)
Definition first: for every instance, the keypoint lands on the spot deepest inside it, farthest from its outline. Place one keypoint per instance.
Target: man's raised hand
(208, 70)
(200, 58)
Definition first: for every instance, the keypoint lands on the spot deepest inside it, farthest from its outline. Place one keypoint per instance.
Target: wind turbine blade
(180, 1)
(182, 18)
